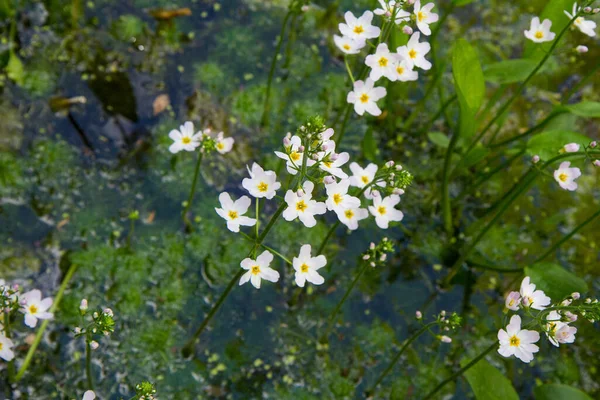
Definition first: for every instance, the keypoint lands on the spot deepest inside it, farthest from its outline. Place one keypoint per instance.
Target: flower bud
(581, 49)
(576, 295)
(593, 144)
(328, 180)
(512, 301)
(390, 164)
(587, 9)
(597, 163)
(596, 10)
(305, 8)
(388, 14)
(571, 147)
(315, 157)
(535, 159)
(407, 30)
(299, 192)
(443, 313)
(372, 246)
(77, 330)
(566, 302)
(108, 312)
(334, 156)
(398, 191)
(372, 264)
(325, 146)
(301, 149)
(418, 315)
(570, 316)
(94, 345)
(375, 193)
(286, 141)
(383, 257)
(410, 2)
(398, 167)
(446, 339)
(83, 306)
(366, 257)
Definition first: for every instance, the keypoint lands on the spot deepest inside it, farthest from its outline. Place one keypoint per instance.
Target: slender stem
(284, 258)
(568, 236)
(391, 365)
(446, 209)
(40, 332)
(88, 363)
(192, 191)
(257, 216)
(493, 267)
(579, 84)
(342, 129)
(348, 69)
(265, 117)
(341, 302)
(443, 108)
(528, 131)
(460, 371)
(326, 239)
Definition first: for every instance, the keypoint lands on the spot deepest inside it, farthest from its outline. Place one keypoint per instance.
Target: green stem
(192, 191)
(40, 332)
(326, 239)
(348, 69)
(424, 328)
(446, 208)
(579, 84)
(342, 129)
(257, 216)
(528, 131)
(88, 363)
(476, 264)
(265, 117)
(460, 371)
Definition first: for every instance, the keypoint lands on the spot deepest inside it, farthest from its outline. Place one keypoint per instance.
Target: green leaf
(554, 391)
(509, 71)
(586, 109)
(554, 12)
(439, 139)
(369, 146)
(554, 280)
(14, 69)
(469, 84)
(488, 383)
(549, 143)
(460, 3)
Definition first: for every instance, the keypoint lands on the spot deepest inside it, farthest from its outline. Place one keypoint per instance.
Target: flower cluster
(539, 32)
(377, 254)
(565, 175)
(319, 184)
(395, 66)
(145, 391)
(102, 322)
(186, 139)
(446, 322)
(552, 320)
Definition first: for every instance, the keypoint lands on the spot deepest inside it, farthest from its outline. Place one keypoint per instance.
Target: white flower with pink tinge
(233, 211)
(359, 29)
(414, 52)
(89, 395)
(258, 269)
(565, 176)
(306, 267)
(383, 210)
(365, 96)
(559, 331)
(34, 307)
(532, 298)
(302, 206)
(518, 342)
(424, 17)
(6, 346)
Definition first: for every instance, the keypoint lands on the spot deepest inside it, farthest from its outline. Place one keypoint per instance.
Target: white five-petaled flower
(185, 138)
(332, 162)
(532, 298)
(34, 307)
(233, 212)
(306, 267)
(403, 72)
(585, 26)
(518, 342)
(293, 157)
(388, 8)
(89, 395)
(338, 198)
(365, 96)
(261, 183)
(362, 177)
(258, 269)
(540, 32)
(303, 206)
(350, 216)
(513, 300)
(224, 145)
(348, 45)
(359, 28)
(383, 210)
(6, 346)
(424, 17)
(558, 331)
(382, 63)
(414, 52)
(566, 176)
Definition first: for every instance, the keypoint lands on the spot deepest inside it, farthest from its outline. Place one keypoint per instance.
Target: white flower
(261, 183)
(566, 176)
(540, 32)
(351, 216)
(414, 52)
(333, 161)
(34, 307)
(383, 210)
(6, 346)
(530, 297)
(558, 331)
(348, 45)
(382, 63)
(338, 198)
(364, 97)
(89, 395)
(571, 148)
(586, 27)
(424, 17)
(361, 177)
(303, 207)
(403, 72)
(388, 10)
(361, 28)
(224, 145)
(184, 138)
(518, 342)
(513, 300)
(326, 135)
(293, 157)
(306, 267)
(258, 269)
(233, 212)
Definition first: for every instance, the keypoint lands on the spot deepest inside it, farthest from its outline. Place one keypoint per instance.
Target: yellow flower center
(539, 35)
(365, 179)
(186, 140)
(304, 268)
(412, 53)
(421, 16)
(295, 156)
(358, 29)
(578, 20)
(33, 309)
(220, 146)
(301, 205)
(552, 327)
(233, 214)
(514, 341)
(327, 164)
(1, 345)
(383, 62)
(255, 270)
(263, 187)
(346, 47)
(337, 198)
(563, 177)
(349, 214)
(381, 210)
(400, 70)
(364, 98)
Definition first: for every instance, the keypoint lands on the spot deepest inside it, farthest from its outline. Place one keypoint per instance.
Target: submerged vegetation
(299, 200)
